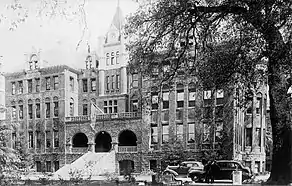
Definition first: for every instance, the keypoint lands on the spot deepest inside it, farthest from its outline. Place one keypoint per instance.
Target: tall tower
(114, 60)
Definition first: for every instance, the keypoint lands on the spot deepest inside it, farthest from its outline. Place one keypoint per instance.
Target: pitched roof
(118, 20)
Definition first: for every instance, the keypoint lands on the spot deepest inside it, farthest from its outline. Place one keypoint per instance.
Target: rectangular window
(179, 131)
(29, 111)
(37, 85)
(165, 133)
(48, 166)
(192, 98)
(191, 133)
(56, 138)
(208, 112)
(117, 82)
(30, 139)
(71, 79)
(110, 108)
(154, 134)
(20, 87)
(180, 98)
(38, 139)
(258, 105)
(165, 98)
(165, 116)
(248, 136)
(219, 97)
(179, 114)
(115, 106)
(56, 82)
(207, 97)
(14, 112)
(38, 110)
(48, 139)
(191, 114)
(219, 112)
(48, 109)
(85, 109)
(56, 165)
(38, 166)
(48, 83)
(84, 85)
(93, 85)
(249, 105)
(56, 108)
(135, 81)
(154, 101)
(107, 83)
(113, 82)
(13, 89)
(135, 107)
(29, 85)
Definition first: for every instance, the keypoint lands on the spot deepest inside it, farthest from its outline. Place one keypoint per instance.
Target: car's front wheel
(196, 178)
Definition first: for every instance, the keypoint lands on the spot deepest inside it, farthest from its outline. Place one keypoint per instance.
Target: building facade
(62, 113)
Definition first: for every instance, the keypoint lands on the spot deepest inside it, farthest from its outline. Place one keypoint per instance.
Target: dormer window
(112, 58)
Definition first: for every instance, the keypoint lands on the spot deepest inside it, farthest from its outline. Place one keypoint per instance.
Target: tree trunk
(279, 113)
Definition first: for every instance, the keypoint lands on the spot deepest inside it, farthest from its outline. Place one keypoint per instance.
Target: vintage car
(226, 168)
(184, 168)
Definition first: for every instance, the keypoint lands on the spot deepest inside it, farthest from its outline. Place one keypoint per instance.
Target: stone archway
(103, 142)
(127, 138)
(80, 140)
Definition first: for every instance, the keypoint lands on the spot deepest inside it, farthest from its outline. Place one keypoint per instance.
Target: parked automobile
(184, 168)
(225, 172)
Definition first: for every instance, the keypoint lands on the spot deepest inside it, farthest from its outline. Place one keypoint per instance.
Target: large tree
(223, 42)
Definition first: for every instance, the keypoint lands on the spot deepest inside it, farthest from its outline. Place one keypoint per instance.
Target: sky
(56, 37)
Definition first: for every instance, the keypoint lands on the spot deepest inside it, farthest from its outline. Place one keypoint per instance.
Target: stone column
(91, 146)
(115, 146)
(101, 82)
(69, 147)
(124, 80)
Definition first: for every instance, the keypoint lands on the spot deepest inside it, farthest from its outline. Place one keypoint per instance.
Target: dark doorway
(126, 167)
(80, 140)
(127, 138)
(103, 142)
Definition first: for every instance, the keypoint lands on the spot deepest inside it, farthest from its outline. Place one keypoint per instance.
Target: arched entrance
(126, 167)
(103, 142)
(80, 140)
(127, 138)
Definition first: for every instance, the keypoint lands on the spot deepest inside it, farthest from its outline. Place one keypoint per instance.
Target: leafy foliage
(221, 42)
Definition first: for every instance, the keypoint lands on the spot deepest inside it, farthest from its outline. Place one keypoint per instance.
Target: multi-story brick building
(63, 113)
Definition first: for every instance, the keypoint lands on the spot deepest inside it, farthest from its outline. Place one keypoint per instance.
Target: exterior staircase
(88, 165)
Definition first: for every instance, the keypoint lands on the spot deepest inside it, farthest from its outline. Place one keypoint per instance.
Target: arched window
(112, 58)
(33, 62)
(48, 107)
(88, 62)
(71, 107)
(117, 57)
(13, 110)
(37, 108)
(56, 106)
(30, 112)
(107, 58)
(20, 112)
